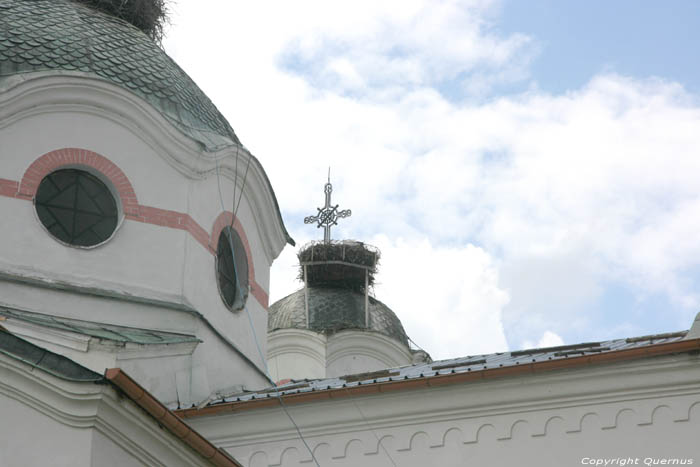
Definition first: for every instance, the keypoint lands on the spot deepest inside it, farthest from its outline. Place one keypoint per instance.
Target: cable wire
(245, 176)
(235, 184)
(245, 306)
(277, 393)
(379, 441)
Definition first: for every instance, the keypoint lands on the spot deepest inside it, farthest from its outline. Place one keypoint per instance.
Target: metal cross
(328, 215)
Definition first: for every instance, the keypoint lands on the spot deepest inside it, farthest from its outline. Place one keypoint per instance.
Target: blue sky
(578, 40)
(529, 170)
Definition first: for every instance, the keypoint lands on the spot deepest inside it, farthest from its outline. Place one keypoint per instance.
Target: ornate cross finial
(328, 215)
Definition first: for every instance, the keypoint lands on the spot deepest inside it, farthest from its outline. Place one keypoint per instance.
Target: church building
(138, 234)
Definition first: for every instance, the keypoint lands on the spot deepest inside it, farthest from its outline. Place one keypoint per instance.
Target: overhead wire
(379, 441)
(234, 211)
(245, 176)
(417, 346)
(235, 185)
(278, 393)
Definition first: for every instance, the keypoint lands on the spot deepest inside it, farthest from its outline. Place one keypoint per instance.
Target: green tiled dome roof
(332, 310)
(61, 35)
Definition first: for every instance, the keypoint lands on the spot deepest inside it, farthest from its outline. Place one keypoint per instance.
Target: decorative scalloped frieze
(565, 425)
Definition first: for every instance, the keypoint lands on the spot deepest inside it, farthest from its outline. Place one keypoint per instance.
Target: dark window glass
(232, 269)
(76, 207)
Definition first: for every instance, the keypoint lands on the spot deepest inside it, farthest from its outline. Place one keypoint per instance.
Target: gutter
(168, 419)
(654, 350)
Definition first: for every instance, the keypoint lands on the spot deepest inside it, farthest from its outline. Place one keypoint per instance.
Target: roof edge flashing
(168, 419)
(694, 332)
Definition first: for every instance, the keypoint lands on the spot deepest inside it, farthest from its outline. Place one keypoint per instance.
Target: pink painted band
(51, 161)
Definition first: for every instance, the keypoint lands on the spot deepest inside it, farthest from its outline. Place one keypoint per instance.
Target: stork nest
(336, 264)
(150, 16)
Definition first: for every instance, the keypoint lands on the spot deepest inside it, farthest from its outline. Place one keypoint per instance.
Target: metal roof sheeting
(455, 365)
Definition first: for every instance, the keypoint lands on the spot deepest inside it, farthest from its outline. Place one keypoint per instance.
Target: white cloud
(561, 194)
(391, 43)
(548, 339)
(447, 298)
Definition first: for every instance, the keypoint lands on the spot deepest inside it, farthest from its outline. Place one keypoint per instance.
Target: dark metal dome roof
(334, 309)
(61, 35)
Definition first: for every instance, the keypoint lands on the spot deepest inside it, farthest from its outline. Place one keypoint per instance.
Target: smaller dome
(332, 310)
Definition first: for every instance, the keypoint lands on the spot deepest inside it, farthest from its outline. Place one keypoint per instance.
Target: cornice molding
(89, 405)
(103, 289)
(93, 286)
(615, 387)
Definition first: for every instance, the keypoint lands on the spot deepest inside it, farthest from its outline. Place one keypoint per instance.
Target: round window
(76, 207)
(232, 269)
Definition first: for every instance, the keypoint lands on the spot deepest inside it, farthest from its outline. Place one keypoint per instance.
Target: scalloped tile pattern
(331, 310)
(61, 35)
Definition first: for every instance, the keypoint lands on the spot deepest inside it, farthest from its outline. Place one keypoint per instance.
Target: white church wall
(29, 438)
(48, 420)
(225, 374)
(144, 252)
(27, 246)
(168, 267)
(300, 353)
(70, 301)
(644, 409)
(351, 352)
(296, 354)
(106, 453)
(202, 292)
(99, 355)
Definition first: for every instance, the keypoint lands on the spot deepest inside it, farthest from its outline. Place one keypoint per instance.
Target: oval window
(232, 269)
(76, 207)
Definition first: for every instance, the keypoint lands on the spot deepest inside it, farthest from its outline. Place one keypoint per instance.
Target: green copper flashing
(114, 333)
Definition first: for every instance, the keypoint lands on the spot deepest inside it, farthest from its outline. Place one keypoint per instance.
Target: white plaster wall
(202, 292)
(148, 256)
(106, 453)
(86, 306)
(141, 261)
(351, 352)
(138, 253)
(29, 438)
(300, 353)
(47, 420)
(296, 354)
(664, 439)
(357, 363)
(643, 409)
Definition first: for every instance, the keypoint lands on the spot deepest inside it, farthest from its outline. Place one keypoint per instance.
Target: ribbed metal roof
(332, 310)
(472, 363)
(64, 36)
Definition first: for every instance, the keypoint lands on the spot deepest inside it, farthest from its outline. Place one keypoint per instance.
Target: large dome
(68, 37)
(334, 309)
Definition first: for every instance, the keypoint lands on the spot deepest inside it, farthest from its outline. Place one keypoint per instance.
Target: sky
(530, 170)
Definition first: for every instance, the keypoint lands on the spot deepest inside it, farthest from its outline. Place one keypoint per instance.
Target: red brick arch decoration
(223, 220)
(54, 160)
(51, 161)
